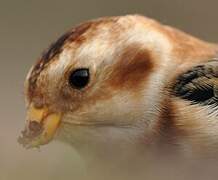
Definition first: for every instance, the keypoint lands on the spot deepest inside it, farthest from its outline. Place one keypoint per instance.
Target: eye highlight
(79, 78)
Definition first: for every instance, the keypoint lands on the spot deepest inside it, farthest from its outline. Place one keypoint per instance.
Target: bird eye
(79, 78)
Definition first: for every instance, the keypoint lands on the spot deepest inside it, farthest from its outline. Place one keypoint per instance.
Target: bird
(123, 85)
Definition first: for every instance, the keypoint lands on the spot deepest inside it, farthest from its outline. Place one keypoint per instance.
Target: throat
(108, 154)
(104, 144)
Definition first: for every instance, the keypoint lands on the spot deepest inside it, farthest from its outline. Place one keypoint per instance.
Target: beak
(40, 127)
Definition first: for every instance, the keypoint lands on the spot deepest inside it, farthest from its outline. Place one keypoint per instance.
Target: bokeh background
(27, 27)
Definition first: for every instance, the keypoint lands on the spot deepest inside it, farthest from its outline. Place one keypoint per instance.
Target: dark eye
(79, 78)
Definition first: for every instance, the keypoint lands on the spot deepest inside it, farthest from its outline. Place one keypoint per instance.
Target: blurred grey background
(27, 27)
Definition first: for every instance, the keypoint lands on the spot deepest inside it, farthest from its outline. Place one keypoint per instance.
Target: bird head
(109, 81)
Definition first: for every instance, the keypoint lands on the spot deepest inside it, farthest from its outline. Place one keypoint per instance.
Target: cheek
(121, 109)
(113, 118)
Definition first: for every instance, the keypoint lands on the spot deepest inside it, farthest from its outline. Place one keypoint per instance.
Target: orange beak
(40, 128)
